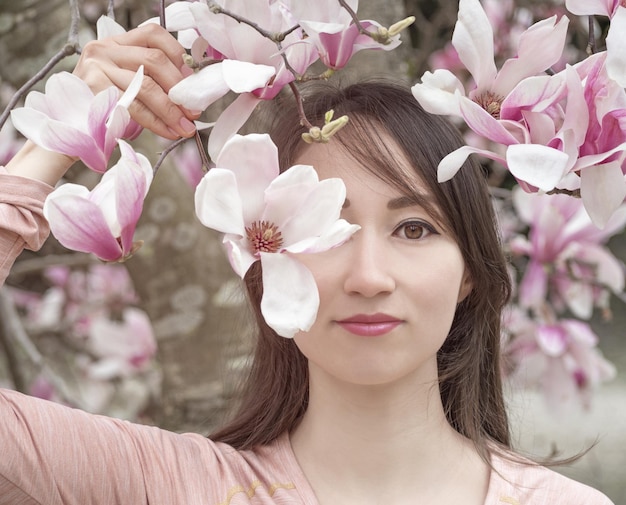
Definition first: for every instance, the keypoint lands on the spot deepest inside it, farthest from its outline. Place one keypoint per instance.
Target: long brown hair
(275, 393)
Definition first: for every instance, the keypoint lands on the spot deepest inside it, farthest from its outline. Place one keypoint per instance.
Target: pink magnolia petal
(603, 189)
(616, 48)
(552, 340)
(99, 111)
(473, 41)
(541, 46)
(537, 165)
(533, 93)
(230, 121)
(218, 204)
(59, 137)
(484, 124)
(534, 286)
(290, 297)
(79, 224)
(68, 98)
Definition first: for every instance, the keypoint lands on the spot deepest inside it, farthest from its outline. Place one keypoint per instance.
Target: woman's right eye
(414, 230)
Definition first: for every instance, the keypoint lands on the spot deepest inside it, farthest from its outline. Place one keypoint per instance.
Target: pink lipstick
(369, 325)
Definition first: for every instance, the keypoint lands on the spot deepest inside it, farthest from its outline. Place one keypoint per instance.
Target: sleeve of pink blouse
(22, 224)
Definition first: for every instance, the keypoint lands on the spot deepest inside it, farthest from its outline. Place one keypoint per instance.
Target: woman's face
(389, 294)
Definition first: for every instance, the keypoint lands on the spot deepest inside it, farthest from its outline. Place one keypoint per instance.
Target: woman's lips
(369, 325)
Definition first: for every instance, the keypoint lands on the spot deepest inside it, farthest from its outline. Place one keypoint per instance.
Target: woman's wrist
(37, 163)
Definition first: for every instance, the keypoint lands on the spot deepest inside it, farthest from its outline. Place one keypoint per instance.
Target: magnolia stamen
(264, 237)
(491, 102)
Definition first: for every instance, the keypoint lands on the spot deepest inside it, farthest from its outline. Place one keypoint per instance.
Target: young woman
(393, 396)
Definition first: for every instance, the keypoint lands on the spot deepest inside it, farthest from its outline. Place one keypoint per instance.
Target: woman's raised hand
(113, 61)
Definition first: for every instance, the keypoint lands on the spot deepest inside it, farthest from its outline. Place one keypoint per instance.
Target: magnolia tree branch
(70, 48)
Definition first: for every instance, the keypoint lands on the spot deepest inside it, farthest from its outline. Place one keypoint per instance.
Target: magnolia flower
(102, 221)
(248, 63)
(71, 120)
(269, 217)
(441, 92)
(568, 265)
(331, 29)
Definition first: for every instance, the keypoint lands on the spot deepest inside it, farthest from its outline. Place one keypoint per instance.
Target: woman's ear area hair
(466, 286)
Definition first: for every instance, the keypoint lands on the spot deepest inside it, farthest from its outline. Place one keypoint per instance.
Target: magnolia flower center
(264, 237)
(490, 102)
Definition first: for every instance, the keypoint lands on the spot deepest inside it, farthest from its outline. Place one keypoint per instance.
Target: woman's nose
(368, 271)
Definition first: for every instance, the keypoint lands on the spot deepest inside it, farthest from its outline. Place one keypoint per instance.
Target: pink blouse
(51, 454)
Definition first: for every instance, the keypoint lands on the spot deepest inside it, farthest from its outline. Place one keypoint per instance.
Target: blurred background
(163, 337)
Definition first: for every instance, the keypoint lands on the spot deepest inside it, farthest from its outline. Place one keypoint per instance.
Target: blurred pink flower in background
(568, 265)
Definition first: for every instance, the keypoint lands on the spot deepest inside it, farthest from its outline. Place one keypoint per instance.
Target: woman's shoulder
(518, 481)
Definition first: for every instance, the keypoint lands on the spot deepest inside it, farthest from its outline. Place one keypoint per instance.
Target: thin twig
(162, 14)
(111, 9)
(14, 327)
(206, 164)
(165, 152)
(70, 48)
(591, 45)
(354, 17)
(296, 93)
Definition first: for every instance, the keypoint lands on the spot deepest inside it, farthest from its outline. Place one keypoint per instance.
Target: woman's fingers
(114, 61)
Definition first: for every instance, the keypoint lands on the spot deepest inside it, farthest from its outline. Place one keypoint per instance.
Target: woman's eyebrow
(423, 200)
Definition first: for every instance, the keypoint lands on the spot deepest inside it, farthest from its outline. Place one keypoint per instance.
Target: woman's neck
(384, 444)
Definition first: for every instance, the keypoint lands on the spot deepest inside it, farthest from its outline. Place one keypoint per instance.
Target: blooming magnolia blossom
(270, 217)
(331, 29)
(71, 120)
(441, 92)
(102, 221)
(567, 263)
(241, 59)
(561, 358)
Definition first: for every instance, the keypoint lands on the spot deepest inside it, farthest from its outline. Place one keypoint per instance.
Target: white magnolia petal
(452, 162)
(68, 99)
(340, 231)
(218, 204)
(473, 41)
(538, 165)
(178, 17)
(616, 48)
(253, 160)
(240, 258)
(588, 7)
(107, 27)
(603, 189)
(316, 212)
(437, 93)
(290, 297)
(200, 89)
(230, 121)
(242, 76)
(133, 88)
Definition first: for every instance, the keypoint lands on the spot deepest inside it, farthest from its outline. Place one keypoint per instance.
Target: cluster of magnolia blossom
(107, 362)
(254, 50)
(563, 131)
(557, 128)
